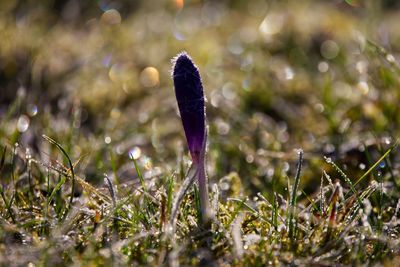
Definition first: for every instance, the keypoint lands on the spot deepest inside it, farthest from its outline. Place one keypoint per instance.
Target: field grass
(302, 159)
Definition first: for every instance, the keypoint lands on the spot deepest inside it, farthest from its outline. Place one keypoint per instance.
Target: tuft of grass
(122, 229)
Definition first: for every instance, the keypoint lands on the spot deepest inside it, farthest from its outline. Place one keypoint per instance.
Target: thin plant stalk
(190, 97)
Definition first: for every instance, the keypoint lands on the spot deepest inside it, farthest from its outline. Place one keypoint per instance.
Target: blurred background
(279, 75)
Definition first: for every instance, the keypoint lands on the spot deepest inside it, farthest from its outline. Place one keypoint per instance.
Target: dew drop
(32, 110)
(390, 58)
(328, 159)
(135, 153)
(28, 154)
(387, 140)
(289, 74)
(23, 123)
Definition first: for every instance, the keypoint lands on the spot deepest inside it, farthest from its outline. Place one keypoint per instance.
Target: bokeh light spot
(121, 73)
(111, 17)
(363, 87)
(329, 49)
(179, 4)
(323, 66)
(150, 77)
(271, 25)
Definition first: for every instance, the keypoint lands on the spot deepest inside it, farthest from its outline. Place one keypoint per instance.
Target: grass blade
(293, 200)
(377, 163)
(71, 167)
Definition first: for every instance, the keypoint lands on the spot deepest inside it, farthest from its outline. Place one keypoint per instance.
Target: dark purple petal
(190, 96)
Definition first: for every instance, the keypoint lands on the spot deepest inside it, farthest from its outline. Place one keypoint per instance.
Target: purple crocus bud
(190, 96)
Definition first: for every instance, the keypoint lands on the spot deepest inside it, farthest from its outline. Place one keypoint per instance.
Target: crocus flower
(190, 97)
